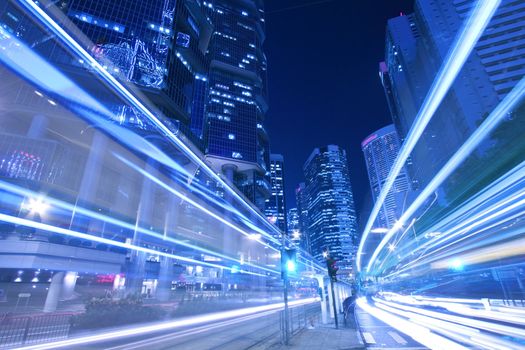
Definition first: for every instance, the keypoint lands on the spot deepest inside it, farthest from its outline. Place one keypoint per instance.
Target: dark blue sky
(323, 80)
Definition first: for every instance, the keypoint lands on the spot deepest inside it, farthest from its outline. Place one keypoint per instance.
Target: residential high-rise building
(160, 46)
(380, 150)
(237, 143)
(275, 209)
(332, 223)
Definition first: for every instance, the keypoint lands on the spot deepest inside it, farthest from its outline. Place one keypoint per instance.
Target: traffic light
(332, 268)
(288, 261)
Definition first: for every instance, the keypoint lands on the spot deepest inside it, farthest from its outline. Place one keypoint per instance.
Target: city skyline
(332, 222)
(312, 107)
(151, 152)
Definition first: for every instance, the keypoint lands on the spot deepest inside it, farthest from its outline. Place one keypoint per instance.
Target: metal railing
(16, 330)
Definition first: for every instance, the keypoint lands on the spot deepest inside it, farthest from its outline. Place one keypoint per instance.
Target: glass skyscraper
(380, 150)
(160, 46)
(301, 199)
(237, 143)
(332, 223)
(416, 46)
(275, 209)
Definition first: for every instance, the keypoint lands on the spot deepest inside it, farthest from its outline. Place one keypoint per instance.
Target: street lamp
(35, 206)
(332, 274)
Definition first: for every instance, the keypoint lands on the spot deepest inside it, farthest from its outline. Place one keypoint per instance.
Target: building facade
(236, 141)
(380, 151)
(332, 223)
(275, 209)
(160, 46)
(301, 199)
(416, 46)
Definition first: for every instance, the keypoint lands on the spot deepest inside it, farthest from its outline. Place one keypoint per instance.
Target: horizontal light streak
(417, 332)
(479, 308)
(452, 64)
(164, 326)
(456, 232)
(122, 224)
(458, 320)
(481, 255)
(81, 235)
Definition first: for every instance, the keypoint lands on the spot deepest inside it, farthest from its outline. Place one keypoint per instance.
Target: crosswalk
(373, 344)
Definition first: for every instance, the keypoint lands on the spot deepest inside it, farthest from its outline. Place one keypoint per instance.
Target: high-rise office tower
(301, 200)
(332, 223)
(380, 150)
(292, 222)
(275, 209)
(416, 46)
(237, 143)
(160, 46)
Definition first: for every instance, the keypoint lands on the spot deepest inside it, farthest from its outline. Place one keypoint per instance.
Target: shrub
(105, 312)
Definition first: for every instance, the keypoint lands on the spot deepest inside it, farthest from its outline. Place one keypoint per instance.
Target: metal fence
(299, 318)
(16, 330)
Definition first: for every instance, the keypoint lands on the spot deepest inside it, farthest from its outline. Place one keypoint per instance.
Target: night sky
(324, 86)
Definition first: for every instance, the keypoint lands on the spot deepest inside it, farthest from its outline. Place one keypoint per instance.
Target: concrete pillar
(331, 301)
(53, 294)
(324, 299)
(136, 267)
(68, 288)
(92, 171)
(38, 127)
(165, 279)
(229, 171)
(228, 239)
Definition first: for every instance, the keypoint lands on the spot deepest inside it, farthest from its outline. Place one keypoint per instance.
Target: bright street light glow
(36, 206)
(379, 230)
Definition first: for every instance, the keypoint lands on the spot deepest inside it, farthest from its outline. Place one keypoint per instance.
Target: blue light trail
(482, 132)
(461, 48)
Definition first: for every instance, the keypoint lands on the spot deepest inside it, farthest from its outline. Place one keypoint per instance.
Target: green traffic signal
(288, 261)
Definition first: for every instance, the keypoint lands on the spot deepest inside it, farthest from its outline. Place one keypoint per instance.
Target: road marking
(397, 338)
(369, 339)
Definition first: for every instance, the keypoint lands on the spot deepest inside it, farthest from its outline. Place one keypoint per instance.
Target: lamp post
(288, 265)
(332, 274)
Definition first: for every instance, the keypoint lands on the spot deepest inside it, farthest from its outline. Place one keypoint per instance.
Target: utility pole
(333, 303)
(288, 265)
(332, 274)
(284, 275)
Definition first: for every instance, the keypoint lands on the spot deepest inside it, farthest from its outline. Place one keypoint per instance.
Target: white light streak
(81, 235)
(492, 121)
(164, 326)
(456, 58)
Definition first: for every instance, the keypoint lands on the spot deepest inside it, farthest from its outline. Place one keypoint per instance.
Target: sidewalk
(324, 337)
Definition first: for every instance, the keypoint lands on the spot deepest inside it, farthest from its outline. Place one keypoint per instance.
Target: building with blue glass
(301, 200)
(160, 46)
(415, 47)
(332, 222)
(275, 209)
(380, 151)
(236, 141)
